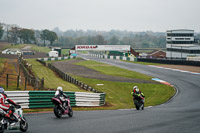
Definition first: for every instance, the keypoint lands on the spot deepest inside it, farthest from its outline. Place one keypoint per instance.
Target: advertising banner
(104, 47)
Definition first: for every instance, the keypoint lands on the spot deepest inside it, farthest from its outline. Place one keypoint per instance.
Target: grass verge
(2, 61)
(40, 49)
(118, 94)
(112, 70)
(51, 80)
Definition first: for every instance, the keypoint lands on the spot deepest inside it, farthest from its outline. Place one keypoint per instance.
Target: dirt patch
(70, 68)
(183, 67)
(11, 68)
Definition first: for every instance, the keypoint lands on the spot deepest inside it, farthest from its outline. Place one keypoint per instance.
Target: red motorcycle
(60, 108)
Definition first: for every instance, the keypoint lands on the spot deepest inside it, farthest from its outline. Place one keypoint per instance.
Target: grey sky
(131, 15)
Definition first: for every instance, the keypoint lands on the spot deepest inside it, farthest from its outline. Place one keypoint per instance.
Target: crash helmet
(1, 89)
(136, 89)
(59, 88)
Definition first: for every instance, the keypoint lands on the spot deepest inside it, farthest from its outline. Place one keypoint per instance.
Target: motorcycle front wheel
(70, 112)
(23, 125)
(2, 128)
(58, 111)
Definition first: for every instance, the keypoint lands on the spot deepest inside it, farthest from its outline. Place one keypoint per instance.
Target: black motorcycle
(139, 102)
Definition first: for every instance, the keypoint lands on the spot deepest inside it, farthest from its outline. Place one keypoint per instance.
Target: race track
(180, 115)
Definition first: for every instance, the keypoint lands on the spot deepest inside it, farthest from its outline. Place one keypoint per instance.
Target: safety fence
(56, 58)
(42, 99)
(30, 78)
(115, 57)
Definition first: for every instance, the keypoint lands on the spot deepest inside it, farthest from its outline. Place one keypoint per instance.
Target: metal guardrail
(115, 57)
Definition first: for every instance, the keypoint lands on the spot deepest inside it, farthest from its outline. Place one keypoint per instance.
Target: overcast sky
(131, 15)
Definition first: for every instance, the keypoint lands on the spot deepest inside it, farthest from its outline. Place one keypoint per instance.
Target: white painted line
(99, 84)
(174, 69)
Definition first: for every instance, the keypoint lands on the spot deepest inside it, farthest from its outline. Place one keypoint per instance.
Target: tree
(27, 35)
(51, 36)
(114, 40)
(44, 35)
(14, 33)
(48, 35)
(1, 31)
(100, 40)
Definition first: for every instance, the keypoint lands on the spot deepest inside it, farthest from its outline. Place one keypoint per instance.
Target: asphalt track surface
(180, 115)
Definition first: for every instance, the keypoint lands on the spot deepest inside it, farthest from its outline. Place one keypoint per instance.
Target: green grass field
(2, 60)
(15, 46)
(112, 70)
(51, 80)
(118, 94)
(40, 49)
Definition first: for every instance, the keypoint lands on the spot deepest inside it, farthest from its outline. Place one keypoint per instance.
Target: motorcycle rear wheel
(58, 111)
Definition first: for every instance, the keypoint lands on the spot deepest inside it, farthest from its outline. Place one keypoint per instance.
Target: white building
(12, 51)
(180, 44)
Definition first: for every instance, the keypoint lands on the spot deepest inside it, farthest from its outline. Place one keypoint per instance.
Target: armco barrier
(42, 99)
(115, 57)
(175, 62)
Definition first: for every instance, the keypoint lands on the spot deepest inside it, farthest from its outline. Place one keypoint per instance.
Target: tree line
(70, 38)
(148, 39)
(16, 34)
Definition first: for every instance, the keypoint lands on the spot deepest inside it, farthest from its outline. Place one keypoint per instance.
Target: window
(184, 51)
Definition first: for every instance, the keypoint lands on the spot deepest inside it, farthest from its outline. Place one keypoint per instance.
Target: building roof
(180, 30)
(185, 45)
(155, 51)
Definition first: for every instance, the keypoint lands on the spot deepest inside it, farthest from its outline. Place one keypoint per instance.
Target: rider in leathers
(137, 94)
(59, 94)
(5, 109)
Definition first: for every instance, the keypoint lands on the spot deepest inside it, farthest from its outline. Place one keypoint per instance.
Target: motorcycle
(62, 109)
(139, 103)
(20, 122)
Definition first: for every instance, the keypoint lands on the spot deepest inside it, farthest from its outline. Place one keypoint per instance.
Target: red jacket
(3, 98)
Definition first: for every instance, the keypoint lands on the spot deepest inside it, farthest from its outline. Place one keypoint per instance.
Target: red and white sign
(104, 47)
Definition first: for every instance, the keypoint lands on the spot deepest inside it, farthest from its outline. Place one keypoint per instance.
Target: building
(156, 54)
(181, 44)
(12, 51)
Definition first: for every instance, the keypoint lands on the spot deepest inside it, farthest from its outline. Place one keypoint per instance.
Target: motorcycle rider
(7, 110)
(137, 94)
(59, 94)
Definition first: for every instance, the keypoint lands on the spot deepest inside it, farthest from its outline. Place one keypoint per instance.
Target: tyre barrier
(42, 99)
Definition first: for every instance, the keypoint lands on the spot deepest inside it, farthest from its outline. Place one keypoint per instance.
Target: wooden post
(25, 83)
(18, 81)
(7, 81)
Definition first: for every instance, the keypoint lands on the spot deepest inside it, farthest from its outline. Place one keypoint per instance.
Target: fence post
(18, 81)
(42, 83)
(7, 81)
(25, 83)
